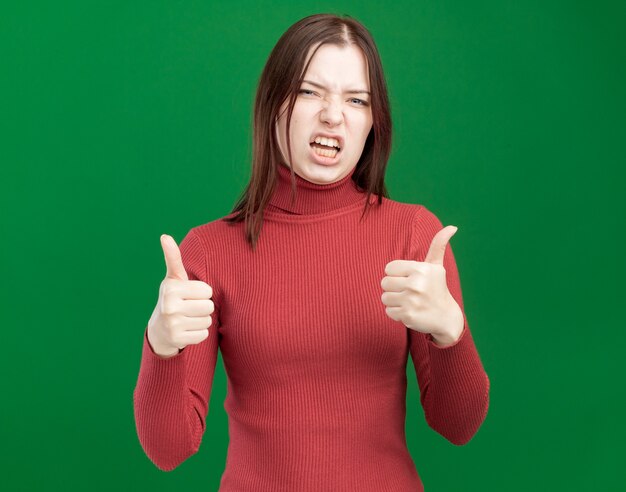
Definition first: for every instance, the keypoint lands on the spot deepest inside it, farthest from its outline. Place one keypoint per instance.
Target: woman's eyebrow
(353, 91)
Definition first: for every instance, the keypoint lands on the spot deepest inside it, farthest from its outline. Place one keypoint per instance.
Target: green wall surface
(125, 120)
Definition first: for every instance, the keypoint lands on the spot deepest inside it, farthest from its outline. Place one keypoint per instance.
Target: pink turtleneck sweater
(316, 370)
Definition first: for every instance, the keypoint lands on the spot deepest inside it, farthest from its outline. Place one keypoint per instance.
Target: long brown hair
(281, 78)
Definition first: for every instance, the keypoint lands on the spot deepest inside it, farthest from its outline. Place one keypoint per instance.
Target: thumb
(173, 258)
(438, 245)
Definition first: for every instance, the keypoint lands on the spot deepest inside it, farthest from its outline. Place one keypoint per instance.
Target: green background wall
(125, 120)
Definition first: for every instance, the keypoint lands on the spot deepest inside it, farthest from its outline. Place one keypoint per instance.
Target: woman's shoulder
(419, 215)
(215, 231)
(411, 210)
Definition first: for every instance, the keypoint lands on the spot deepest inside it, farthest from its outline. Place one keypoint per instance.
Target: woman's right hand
(182, 315)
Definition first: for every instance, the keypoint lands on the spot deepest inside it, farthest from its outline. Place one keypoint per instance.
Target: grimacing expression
(333, 99)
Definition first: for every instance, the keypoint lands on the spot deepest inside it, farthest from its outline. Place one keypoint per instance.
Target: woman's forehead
(331, 63)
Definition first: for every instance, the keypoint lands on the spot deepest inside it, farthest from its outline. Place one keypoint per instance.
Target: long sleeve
(171, 397)
(454, 387)
(315, 369)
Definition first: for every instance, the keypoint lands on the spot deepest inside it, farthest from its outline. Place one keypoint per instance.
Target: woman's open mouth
(324, 154)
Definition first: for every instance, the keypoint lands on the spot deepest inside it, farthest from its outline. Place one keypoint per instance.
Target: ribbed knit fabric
(316, 370)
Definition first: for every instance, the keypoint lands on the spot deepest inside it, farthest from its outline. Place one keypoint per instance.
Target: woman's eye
(360, 102)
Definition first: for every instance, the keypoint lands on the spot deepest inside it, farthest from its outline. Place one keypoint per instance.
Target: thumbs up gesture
(182, 315)
(416, 293)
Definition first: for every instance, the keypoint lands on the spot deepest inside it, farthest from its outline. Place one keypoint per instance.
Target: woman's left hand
(416, 293)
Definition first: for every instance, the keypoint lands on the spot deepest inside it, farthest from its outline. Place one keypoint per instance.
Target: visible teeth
(325, 153)
(331, 142)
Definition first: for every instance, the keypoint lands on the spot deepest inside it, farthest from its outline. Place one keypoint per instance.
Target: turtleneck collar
(312, 198)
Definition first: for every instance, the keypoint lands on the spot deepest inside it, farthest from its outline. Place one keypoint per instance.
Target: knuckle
(202, 336)
(175, 324)
(167, 308)
(176, 342)
(414, 284)
(167, 290)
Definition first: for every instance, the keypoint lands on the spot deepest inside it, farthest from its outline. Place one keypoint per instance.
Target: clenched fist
(182, 315)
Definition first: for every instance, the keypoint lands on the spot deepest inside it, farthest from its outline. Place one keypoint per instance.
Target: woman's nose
(332, 113)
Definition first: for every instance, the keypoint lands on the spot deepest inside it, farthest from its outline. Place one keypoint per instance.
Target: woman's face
(333, 100)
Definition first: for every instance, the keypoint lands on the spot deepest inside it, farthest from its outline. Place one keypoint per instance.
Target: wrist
(445, 339)
(163, 351)
(452, 334)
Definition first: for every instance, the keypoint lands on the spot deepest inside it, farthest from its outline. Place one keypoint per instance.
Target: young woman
(315, 312)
